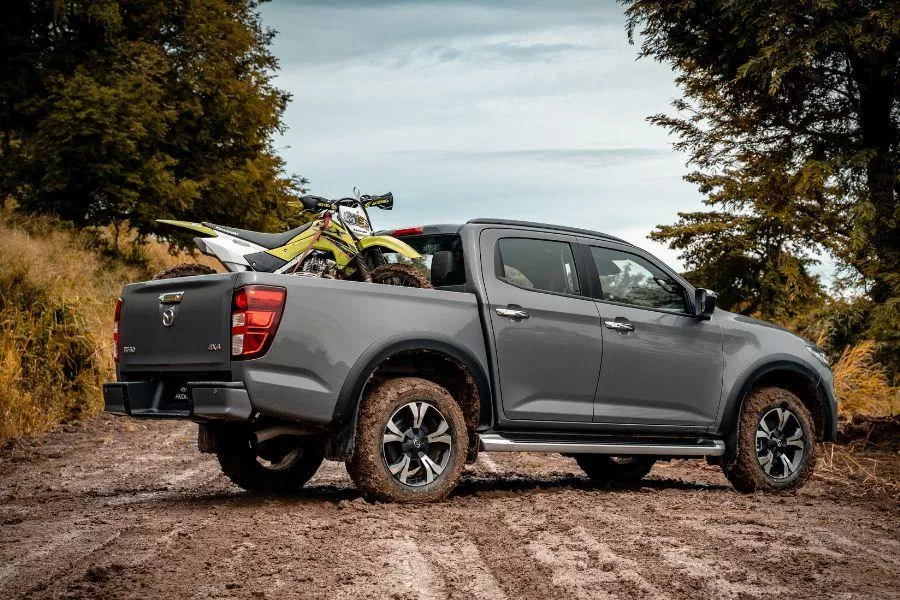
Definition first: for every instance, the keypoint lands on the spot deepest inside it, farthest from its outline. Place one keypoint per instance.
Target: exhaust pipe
(278, 430)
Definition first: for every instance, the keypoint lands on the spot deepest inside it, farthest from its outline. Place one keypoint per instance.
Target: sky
(480, 108)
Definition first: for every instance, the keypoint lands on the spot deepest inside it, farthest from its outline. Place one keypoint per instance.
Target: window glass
(538, 264)
(442, 258)
(630, 279)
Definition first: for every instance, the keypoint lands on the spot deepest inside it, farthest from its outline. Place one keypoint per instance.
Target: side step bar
(492, 442)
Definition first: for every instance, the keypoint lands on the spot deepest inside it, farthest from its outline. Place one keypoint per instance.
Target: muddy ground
(117, 508)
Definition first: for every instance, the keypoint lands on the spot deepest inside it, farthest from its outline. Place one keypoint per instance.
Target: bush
(861, 384)
(57, 295)
(840, 325)
(51, 370)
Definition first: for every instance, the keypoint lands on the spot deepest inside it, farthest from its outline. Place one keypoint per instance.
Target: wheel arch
(788, 374)
(439, 360)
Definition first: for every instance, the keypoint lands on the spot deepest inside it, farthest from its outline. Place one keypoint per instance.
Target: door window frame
(594, 278)
(581, 267)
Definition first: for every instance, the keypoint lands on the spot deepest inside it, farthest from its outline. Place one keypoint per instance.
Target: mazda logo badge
(168, 317)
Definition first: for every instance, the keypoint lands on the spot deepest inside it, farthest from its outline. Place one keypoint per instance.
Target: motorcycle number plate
(355, 219)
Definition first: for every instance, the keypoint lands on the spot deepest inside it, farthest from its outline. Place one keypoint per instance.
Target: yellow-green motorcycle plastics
(195, 227)
(335, 240)
(391, 243)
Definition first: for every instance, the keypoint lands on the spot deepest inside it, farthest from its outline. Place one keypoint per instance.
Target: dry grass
(57, 294)
(841, 465)
(861, 384)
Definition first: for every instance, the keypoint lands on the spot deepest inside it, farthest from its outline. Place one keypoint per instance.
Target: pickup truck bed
(329, 330)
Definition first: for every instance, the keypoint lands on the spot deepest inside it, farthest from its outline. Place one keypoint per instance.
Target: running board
(492, 442)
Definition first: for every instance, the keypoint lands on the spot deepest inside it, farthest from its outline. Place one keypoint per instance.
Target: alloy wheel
(416, 444)
(780, 444)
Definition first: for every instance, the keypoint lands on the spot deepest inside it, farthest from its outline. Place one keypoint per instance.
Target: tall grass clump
(57, 296)
(51, 367)
(861, 384)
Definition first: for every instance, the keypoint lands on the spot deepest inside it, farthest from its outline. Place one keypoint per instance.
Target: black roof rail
(563, 228)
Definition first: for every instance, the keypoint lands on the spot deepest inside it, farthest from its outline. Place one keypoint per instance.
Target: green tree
(790, 116)
(134, 110)
(755, 246)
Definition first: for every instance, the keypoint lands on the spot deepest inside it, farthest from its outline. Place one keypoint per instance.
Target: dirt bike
(338, 244)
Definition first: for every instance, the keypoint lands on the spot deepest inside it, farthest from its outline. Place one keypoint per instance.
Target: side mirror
(704, 303)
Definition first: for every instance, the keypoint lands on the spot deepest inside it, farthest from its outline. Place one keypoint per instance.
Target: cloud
(526, 109)
(585, 157)
(505, 52)
(579, 6)
(326, 33)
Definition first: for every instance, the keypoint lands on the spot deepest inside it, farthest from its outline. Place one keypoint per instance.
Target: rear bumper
(195, 400)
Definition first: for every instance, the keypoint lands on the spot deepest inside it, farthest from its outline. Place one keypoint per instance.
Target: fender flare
(391, 243)
(347, 405)
(743, 384)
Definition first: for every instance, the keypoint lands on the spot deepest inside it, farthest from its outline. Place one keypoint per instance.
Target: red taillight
(255, 314)
(116, 329)
(408, 231)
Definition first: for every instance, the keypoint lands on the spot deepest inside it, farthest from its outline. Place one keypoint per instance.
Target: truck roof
(454, 228)
(550, 226)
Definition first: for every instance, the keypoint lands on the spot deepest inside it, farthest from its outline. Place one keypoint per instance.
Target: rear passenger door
(547, 337)
(661, 366)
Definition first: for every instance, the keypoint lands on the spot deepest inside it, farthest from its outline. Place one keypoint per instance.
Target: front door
(661, 366)
(547, 337)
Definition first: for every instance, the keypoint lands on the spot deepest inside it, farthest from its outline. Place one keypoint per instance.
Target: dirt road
(116, 508)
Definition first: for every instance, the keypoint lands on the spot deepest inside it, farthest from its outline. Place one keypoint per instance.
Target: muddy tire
(282, 465)
(411, 442)
(402, 275)
(615, 469)
(185, 270)
(776, 447)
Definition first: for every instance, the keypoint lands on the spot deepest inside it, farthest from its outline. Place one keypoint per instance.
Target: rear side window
(631, 279)
(537, 264)
(442, 258)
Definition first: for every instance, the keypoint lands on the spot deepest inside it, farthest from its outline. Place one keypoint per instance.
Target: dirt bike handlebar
(317, 203)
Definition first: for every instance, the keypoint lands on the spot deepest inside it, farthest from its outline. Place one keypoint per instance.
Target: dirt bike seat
(266, 240)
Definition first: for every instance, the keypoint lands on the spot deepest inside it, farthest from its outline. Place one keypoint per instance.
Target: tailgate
(176, 323)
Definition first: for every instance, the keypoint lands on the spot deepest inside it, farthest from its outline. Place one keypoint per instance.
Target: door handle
(512, 313)
(620, 326)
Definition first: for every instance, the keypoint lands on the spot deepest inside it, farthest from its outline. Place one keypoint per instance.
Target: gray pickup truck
(535, 338)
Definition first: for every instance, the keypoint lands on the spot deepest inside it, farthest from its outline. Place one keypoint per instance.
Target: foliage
(861, 385)
(791, 118)
(56, 311)
(50, 369)
(133, 110)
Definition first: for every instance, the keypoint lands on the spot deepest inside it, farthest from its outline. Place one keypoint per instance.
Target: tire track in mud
(784, 547)
(145, 515)
(673, 559)
(502, 539)
(95, 551)
(465, 572)
(84, 533)
(584, 565)
(46, 568)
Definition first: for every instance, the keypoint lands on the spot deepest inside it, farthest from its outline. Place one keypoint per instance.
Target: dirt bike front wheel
(400, 275)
